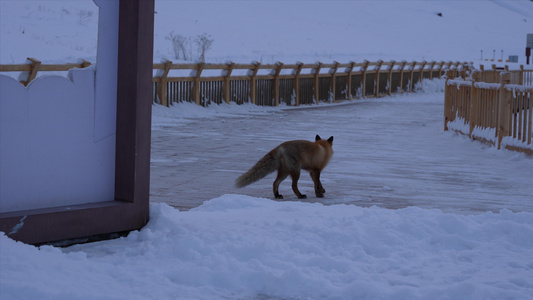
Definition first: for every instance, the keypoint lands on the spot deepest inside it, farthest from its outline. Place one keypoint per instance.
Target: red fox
(288, 158)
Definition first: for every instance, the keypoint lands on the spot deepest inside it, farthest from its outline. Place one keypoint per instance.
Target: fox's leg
(319, 189)
(295, 176)
(282, 174)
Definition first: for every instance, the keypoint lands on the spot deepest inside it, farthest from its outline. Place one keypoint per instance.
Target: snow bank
(183, 113)
(240, 247)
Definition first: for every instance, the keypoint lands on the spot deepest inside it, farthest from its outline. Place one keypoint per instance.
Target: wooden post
(333, 78)
(401, 75)
(422, 71)
(316, 81)
(440, 69)
(35, 64)
(450, 63)
(412, 77)
(376, 83)
(474, 104)
(227, 83)
(447, 99)
(363, 79)
(253, 82)
(431, 69)
(389, 92)
(521, 75)
(276, 83)
(530, 120)
(505, 109)
(162, 87)
(296, 84)
(352, 65)
(495, 76)
(196, 86)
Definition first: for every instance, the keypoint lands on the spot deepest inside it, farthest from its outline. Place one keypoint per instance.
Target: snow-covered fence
(292, 84)
(498, 113)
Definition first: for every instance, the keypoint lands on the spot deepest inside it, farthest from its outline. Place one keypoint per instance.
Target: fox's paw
(302, 196)
(278, 196)
(320, 195)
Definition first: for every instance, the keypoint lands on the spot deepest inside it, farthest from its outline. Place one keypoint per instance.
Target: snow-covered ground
(462, 227)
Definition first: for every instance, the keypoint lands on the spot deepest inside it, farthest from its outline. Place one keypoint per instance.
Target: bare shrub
(204, 43)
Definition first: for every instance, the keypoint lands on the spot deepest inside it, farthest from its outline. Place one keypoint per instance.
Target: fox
(288, 159)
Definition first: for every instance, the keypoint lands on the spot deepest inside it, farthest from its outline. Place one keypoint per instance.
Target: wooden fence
(293, 84)
(272, 84)
(35, 66)
(521, 76)
(498, 113)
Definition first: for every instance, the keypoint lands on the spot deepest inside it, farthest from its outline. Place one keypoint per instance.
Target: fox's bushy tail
(266, 165)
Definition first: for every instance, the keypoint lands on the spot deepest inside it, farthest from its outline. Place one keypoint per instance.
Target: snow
(240, 247)
(462, 223)
(287, 31)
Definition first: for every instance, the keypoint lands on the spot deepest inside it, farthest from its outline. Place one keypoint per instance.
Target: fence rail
(499, 113)
(35, 66)
(292, 84)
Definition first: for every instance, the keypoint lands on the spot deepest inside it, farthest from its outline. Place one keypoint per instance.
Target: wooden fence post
(495, 75)
(227, 83)
(196, 91)
(376, 84)
(474, 104)
(253, 82)
(333, 79)
(422, 71)
(431, 69)
(440, 69)
(352, 65)
(450, 63)
(276, 83)
(401, 75)
(412, 77)
(162, 87)
(389, 92)
(521, 75)
(35, 64)
(363, 79)
(316, 81)
(296, 84)
(505, 108)
(447, 99)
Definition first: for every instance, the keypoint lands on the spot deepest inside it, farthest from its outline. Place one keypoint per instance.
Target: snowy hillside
(287, 31)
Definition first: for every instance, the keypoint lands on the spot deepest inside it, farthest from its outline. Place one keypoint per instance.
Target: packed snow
(465, 237)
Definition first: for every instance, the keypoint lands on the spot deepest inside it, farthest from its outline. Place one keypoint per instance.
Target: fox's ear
(317, 138)
(330, 140)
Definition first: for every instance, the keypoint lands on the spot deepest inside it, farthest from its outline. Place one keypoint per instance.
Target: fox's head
(330, 140)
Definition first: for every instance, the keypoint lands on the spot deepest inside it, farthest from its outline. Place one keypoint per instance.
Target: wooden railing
(497, 113)
(292, 84)
(272, 84)
(35, 66)
(521, 76)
